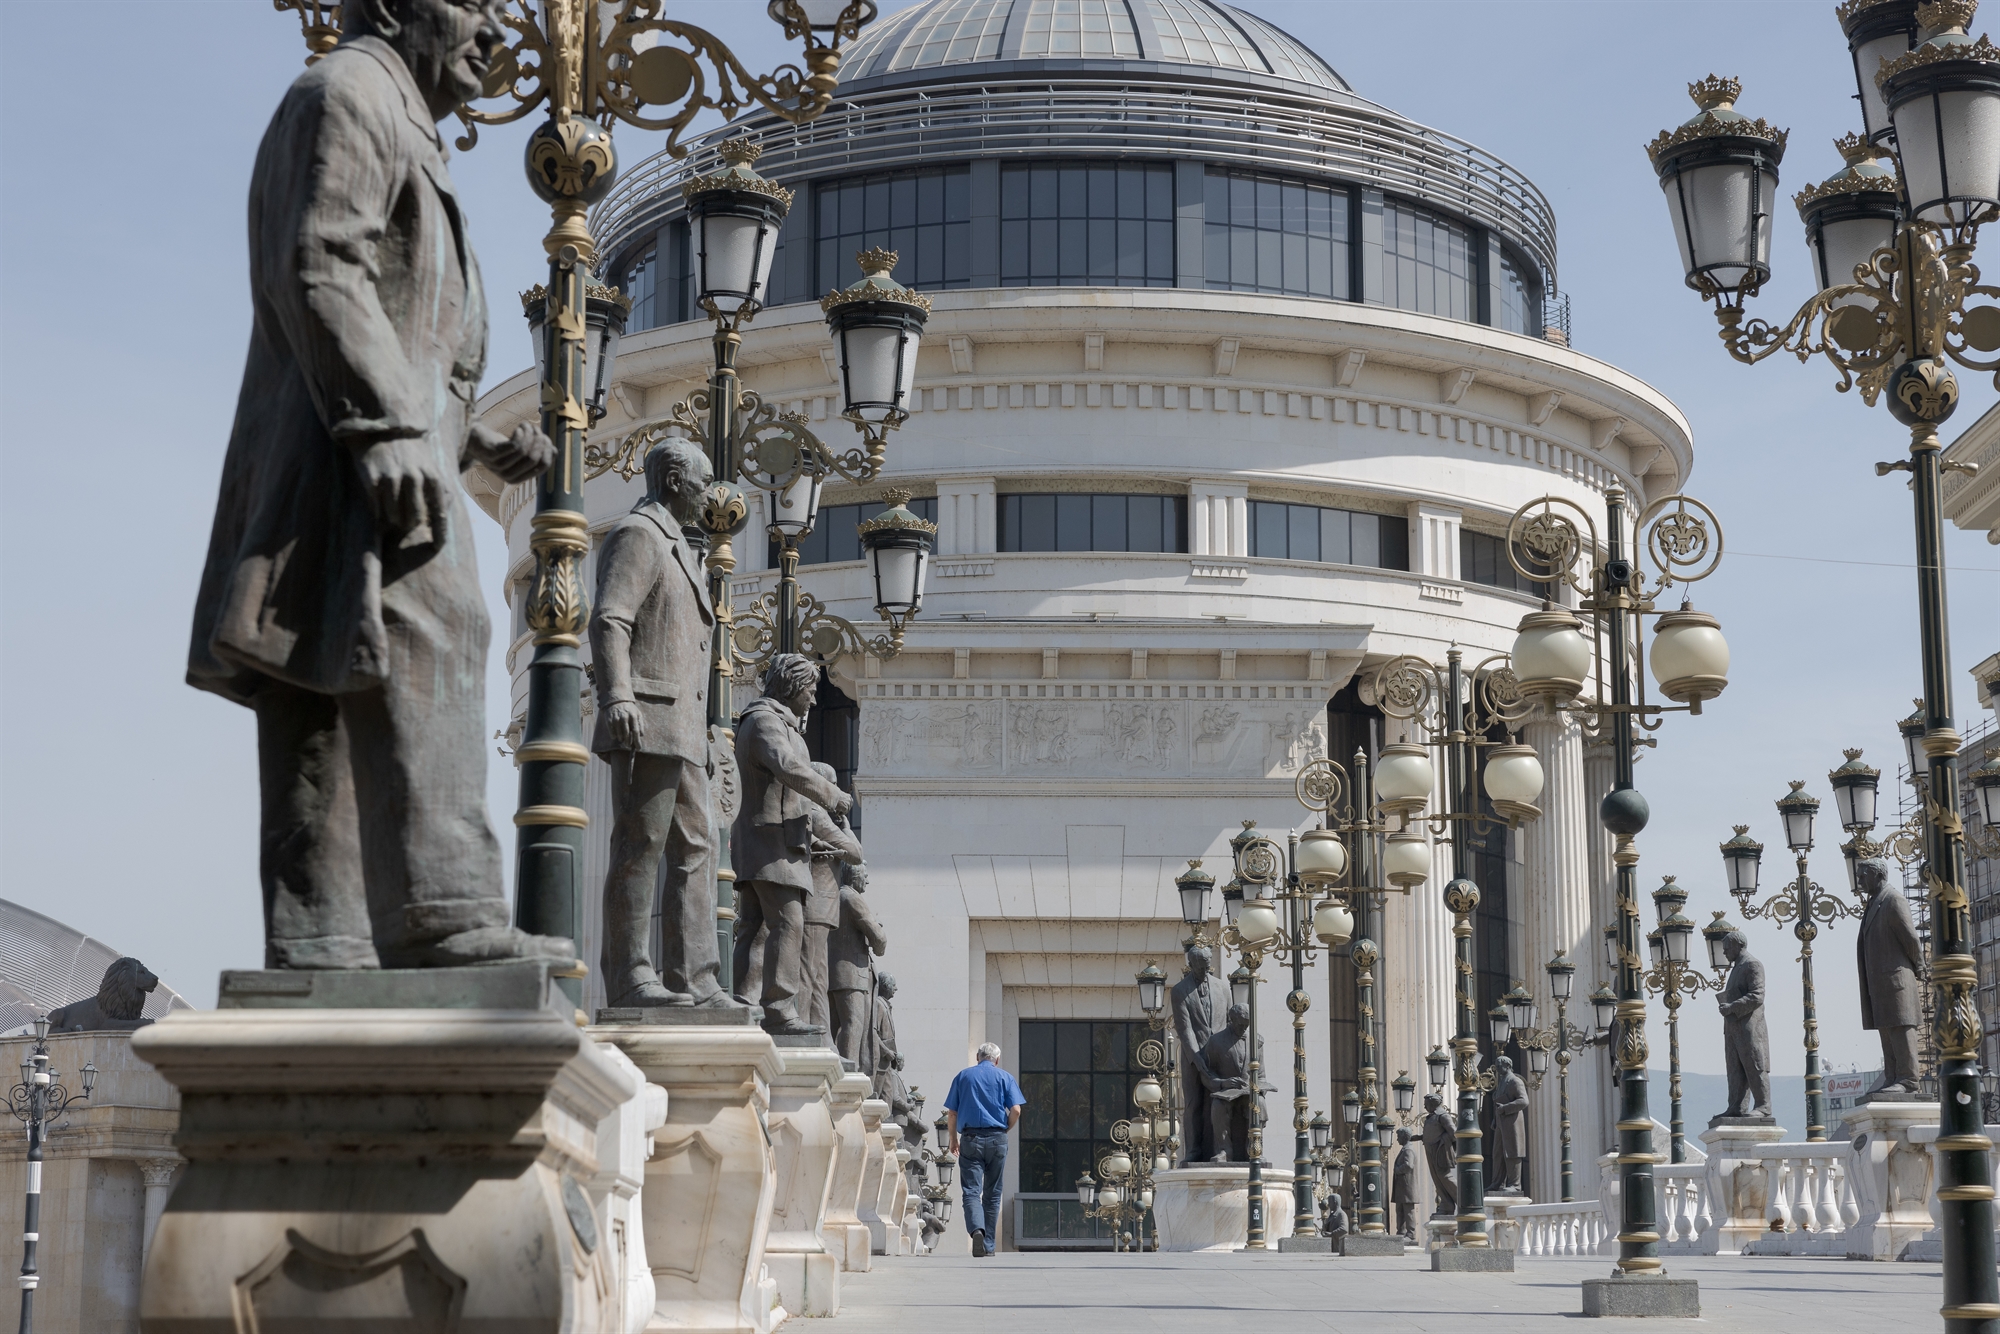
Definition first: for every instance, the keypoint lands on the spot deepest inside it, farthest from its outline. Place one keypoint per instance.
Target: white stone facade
(1065, 730)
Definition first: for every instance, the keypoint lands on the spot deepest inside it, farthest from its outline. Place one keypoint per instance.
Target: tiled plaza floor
(1183, 1294)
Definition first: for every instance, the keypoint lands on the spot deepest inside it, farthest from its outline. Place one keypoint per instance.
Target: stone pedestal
(1206, 1207)
(1739, 1188)
(802, 1144)
(1440, 1231)
(710, 1187)
(885, 1228)
(1674, 1298)
(1503, 1232)
(1891, 1176)
(872, 1166)
(624, 1142)
(845, 1235)
(1376, 1243)
(1313, 1245)
(369, 1166)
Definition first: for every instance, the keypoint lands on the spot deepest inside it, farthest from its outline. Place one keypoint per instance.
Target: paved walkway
(1207, 1294)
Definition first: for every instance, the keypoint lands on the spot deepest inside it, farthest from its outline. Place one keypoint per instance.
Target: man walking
(983, 1105)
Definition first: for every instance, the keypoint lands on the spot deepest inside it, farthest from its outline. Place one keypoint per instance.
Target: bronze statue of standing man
(773, 848)
(649, 644)
(1891, 961)
(341, 600)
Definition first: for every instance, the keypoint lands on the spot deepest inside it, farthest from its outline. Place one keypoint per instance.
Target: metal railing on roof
(1132, 118)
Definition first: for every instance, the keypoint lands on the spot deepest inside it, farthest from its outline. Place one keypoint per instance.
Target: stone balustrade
(1576, 1228)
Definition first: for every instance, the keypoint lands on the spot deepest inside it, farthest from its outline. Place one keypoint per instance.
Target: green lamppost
(1553, 541)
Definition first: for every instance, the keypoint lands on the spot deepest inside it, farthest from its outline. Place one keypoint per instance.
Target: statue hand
(842, 804)
(517, 457)
(628, 728)
(404, 489)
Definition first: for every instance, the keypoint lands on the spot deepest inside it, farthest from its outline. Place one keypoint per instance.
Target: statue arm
(829, 833)
(856, 904)
(759, 741)
(1903, 934)
(330, 184)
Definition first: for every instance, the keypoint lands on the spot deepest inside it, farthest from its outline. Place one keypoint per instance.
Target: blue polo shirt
(981, 1095)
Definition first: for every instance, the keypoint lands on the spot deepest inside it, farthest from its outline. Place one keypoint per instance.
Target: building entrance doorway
(1078, 1076)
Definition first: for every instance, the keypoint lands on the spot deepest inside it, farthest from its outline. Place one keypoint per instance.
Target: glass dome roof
(941, 33)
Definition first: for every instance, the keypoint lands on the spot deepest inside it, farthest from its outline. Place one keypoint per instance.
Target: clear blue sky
(128, 802)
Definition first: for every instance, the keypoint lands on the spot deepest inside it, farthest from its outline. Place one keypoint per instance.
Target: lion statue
(117, 1006)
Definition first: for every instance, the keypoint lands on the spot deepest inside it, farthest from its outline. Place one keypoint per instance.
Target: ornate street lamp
(1348, 805)
(1805, 905)
(1719, 170)
(1673, 980)
(1891, 325)
(40, 1103)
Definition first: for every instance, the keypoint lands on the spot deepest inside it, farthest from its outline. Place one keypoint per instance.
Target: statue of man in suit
(1403, 1185)
(1746, 1043)
(834, 849)
(1510, 1125)
(1232, 1102)
(1891, 962)
(650, 628)
(1440, 1135)
(889, 1086)
(850, 972)
(832, 845)
(774, 830)
(1200, 1002)
(341, 600)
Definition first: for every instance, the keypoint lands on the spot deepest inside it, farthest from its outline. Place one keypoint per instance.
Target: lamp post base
(1360, 1243)
(1666, 1298)
(1471, 1260)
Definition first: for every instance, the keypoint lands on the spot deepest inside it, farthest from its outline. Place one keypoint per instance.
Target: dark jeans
(982, 1165)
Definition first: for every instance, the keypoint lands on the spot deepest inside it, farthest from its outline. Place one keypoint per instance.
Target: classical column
(159, 1177)
(1557, 916)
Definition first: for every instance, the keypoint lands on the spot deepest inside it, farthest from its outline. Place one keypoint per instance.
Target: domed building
(1231, 382)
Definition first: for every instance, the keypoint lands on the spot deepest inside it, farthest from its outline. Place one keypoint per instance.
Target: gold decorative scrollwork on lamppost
(1674, 977)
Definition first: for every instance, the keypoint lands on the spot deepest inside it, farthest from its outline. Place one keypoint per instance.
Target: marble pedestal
(844, 1234)
(1892, 1177)
(872, 1166)
(885, 1229)
(1739, 1189)
(710, 1185)
(802, 1144)
(1206, 1207)
(371, 1166)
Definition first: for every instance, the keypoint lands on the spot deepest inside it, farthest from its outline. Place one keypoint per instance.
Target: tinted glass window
(1266, 234)
(1428, 263)
(1336, 537)
(1093, 523)
(1078, 1076)
(1482, 559)
(1520, 298)
(660, 281)
(1103, 226)
(924, 216)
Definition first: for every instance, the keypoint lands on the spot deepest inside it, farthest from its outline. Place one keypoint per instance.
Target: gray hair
(670, 458)
(1875, 866)
(988, 1051)
(789, 674)
(1738, 939)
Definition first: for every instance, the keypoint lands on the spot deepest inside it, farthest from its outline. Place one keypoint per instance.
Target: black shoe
(980, 1250)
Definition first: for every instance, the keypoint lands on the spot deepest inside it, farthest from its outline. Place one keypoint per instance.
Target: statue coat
(369, 324)
(773, 826)
(1891, 962)
(650, 635)
(1510, 1117)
